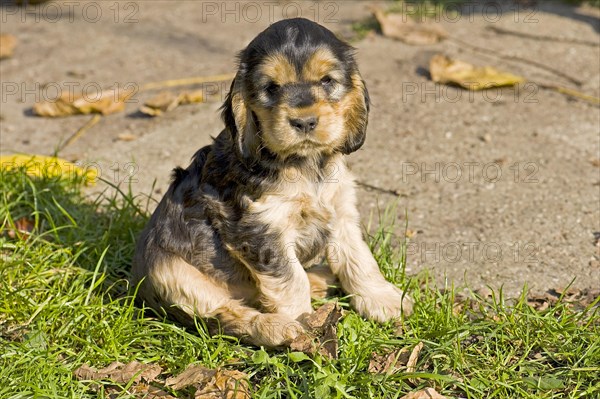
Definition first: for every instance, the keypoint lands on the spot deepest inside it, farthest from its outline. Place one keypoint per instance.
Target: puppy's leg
(265, 242)
(285, 289)
(178, 283)
(322, 281)
(351, 260)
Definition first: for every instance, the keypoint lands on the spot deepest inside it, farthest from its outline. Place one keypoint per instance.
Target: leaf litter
(212, 383)
(402, 27)
(450, 71)
(456, 72)
(389, 362)
(571, 296)
(394, 361)
(142, 379)
(120, 373)
(167, 101)
(322, 332)
(106, 102)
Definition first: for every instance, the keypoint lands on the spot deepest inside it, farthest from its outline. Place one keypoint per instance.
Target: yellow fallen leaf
(40, 165)
(162, 102)
(7, 45)
(108, 102)
(404, 28)
(191, 97)
(446, 70)
(167, 101)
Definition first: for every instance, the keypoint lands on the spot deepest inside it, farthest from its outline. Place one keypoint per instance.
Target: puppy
(235, 236)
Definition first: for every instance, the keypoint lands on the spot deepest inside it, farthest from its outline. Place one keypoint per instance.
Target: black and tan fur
(237, 233)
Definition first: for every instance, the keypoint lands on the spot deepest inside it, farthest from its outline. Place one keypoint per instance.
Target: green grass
(64, 301)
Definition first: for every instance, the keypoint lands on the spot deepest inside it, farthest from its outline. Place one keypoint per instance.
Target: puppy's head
(297, 92)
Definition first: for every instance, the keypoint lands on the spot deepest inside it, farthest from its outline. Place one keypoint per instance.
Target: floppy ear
(239, 119)
(356, 115)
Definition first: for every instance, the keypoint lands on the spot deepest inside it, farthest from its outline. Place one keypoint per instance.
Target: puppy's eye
(326, 81)
(272, 88)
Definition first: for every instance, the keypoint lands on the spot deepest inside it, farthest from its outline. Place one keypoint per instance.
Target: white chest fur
(300, 209)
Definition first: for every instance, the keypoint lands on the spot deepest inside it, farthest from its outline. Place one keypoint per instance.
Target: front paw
(274, 330)
(383, 304)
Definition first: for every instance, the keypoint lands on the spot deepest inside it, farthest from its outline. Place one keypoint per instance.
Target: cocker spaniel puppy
(235, 237)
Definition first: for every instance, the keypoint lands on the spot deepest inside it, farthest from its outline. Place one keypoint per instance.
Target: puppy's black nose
(305, 125)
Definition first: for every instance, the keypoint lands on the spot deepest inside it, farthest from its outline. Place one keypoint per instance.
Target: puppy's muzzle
(304, 125)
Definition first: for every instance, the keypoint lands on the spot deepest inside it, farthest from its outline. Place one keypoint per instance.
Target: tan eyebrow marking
(321, 63)
(278, 68)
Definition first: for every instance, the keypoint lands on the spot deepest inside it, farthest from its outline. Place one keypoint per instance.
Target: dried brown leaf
(7, 45)
(191, 97)
(322, 336)
(167, 101)
(193, 374)
(411, 365)
(147, 392)
(398, 328)
(428, 393)
(402, 27)
(324, 322)
(119, 373)
(329, 342)
(60, 107)
(446, 70)
(589, 296)
(458, 307)
(134, 373)
(107, 102)
(127, 137)
(23, 228)
(484, 292)
(573, 297)
(212, 384)
(162, 102)
(226, 384)
(543, 301)
(326, 315)
(144, 109)
(140, 390)
(304, 343)
(389, 363)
